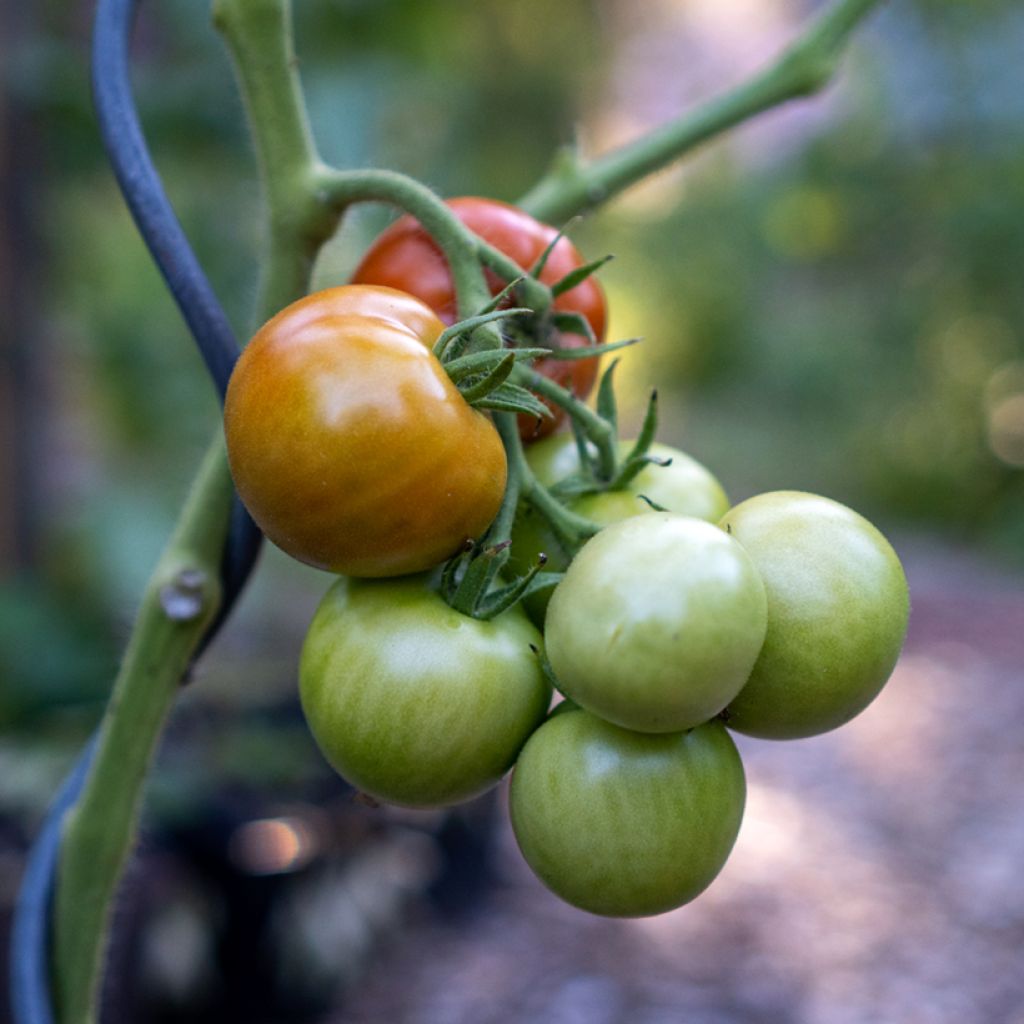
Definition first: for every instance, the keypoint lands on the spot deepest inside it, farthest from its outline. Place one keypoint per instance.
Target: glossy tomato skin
(657, 623)
(405, 257)
(348, 442)
(838, 606)
(412, 702)
(684, 486)
(624, 824)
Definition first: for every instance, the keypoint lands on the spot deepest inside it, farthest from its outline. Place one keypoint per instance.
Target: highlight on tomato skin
(838, 607)
(624, 824)
(412, 702)
(657, 622)
(348, 442)
(404, 256)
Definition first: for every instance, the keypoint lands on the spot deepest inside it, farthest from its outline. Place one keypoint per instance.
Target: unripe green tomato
(623, 824)
(837, 614)
(684, 486)
(657, 623)
(412, 702)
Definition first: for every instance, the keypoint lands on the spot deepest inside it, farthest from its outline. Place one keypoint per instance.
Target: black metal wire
(140, 183)
(30, 933)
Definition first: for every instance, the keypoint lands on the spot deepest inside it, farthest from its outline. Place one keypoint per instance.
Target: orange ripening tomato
(348, 442)
(406, 257)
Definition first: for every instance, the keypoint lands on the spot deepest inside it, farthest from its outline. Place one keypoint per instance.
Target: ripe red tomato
(405, 257)
(348, 442)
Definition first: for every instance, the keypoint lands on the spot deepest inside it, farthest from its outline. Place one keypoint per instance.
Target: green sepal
(542, 261)
(574, 323)
(579, 435)
(481, 568)
(482, 362)
(586, 351)
(578, 276)
(490, 381)
(638, 458)
(470, 324)
(607, 408)
(512, 398)
(497, 300)
(449, 582)
(653, 504)
(503, 599)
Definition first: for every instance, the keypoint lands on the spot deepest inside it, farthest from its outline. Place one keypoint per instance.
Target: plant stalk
(573, 185)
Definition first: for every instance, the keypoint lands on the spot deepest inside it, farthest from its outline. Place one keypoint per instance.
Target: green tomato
(623, 824)
(684, 486)
(657, 623)
(837, 614)
(412, 702)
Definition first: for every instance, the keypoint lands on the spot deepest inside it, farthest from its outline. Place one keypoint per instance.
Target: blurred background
(830, 300)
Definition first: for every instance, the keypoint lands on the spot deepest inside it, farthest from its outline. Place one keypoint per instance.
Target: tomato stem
(597, 429)
(99, 830)
(573, 184)
(570, 529)
(484, 561)
(340, 189)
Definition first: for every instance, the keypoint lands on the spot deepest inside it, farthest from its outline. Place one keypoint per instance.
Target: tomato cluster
(679, 620)
(782, 620)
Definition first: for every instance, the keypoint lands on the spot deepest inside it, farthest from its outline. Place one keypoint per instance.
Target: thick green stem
(180, 601)
(338, 189)
(463, 250)
(184, 593)
(259, 36)
(804, 68)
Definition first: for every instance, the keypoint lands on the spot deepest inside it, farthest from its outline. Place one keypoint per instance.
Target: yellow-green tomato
(412, 702)
(657, 623)
(683, 486)
(837, 614)
(625, 824)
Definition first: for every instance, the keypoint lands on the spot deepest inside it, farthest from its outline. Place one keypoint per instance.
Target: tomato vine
(305, 203)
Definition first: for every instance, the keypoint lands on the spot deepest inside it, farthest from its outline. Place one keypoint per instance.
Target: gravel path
(877, 877)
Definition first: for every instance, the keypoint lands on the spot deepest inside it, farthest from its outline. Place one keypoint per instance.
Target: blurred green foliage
(836, 307)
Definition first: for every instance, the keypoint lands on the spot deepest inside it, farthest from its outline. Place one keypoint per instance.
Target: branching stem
(573, 185)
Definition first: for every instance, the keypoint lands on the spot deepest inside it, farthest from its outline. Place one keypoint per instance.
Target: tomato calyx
(482, 376)
(467, 581)
(597, 472)
(468, 578)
